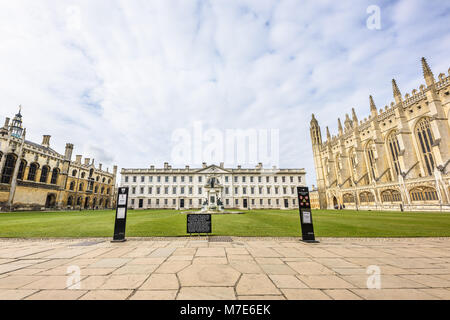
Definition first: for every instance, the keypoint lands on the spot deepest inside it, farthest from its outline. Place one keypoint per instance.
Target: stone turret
(4, 130)
(427, 73)
(341, 131)
(373, 107)
(316, 136)
(397, 93)
(354, 117)
(316, 140)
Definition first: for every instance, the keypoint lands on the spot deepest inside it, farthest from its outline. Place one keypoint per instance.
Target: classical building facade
(397, 158)
(170, 188)
(35, 177)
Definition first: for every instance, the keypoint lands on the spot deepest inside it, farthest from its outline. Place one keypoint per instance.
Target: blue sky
(116, 78)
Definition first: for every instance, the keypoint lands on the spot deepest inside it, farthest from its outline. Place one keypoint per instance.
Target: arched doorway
(335, 203)
(86, 203)
(50, 202)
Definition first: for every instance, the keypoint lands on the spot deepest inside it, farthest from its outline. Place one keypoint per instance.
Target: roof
(39, 146)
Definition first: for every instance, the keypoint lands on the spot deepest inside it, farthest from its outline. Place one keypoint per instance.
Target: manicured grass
(254, 223)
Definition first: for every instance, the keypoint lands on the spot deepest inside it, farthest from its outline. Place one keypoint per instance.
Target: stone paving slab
(245, 269)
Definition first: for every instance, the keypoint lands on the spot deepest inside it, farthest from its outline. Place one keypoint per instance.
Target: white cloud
(117, 77)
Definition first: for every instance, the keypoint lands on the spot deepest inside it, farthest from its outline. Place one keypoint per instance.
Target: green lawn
(254, 223)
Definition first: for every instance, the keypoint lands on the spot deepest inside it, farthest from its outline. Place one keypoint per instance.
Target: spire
(355, 118)
(314, 121)
(372, 104)
(373, 107)
(397, 93)
(427, 73)
(340, 126)
(348, 123)
(328, 134)
(316, 136)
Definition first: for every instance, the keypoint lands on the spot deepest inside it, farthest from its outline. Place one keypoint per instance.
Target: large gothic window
(32, 172)
(44, 174)
(366, 196)
(353, 163)
(23, 165)
(394, 150)
(55, 174)
(8, 169)
(337, 166)
(371, 159)
(391, 196)
(424, 194)
(349, 198)
(425, 137)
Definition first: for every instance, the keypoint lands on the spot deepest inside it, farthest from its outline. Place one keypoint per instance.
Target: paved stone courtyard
(217, 268)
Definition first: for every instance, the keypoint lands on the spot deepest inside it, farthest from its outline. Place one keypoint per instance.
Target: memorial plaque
(304, 204)
(306, 217)
(199, 223)
(121, 215)
(122, 199)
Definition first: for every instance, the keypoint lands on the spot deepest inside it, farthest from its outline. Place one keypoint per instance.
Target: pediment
(213, 169)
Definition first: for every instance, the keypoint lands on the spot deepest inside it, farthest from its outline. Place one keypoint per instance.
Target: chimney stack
(68, 152)
(100, 166)
(166, 165)
(46, 141)
(115, 170)
(6, 123)
(222, 165)
(87, 161)
(78, 158)
(204, 164)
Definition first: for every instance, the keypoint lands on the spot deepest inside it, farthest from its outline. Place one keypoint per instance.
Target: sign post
(121, 215)
(199, 223)
(304, 204)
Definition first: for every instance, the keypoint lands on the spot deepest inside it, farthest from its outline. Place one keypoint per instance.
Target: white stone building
(240, 188)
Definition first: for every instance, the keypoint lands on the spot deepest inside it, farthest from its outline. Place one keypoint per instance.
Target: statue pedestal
(213, 195)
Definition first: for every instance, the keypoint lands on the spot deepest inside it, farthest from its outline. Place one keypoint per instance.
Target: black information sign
(199, 223)
(121, 215)
(304, 204)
